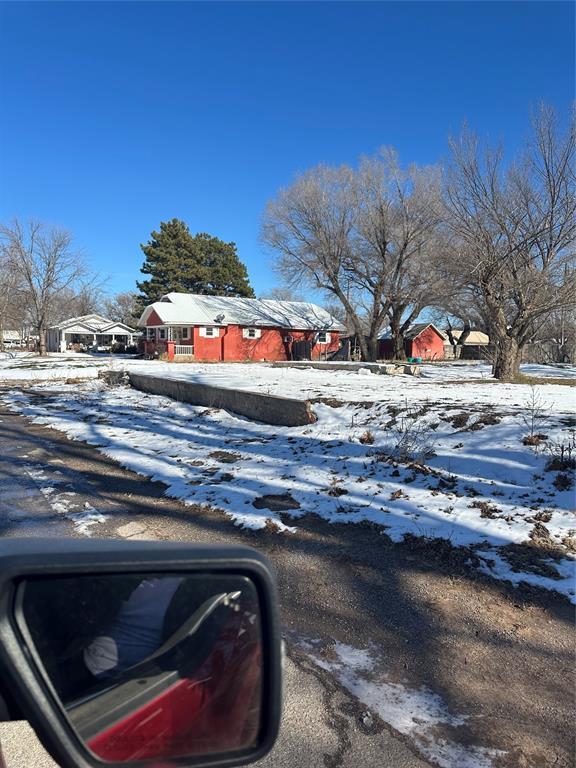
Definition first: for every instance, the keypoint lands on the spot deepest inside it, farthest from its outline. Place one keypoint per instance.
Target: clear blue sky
(115, 116)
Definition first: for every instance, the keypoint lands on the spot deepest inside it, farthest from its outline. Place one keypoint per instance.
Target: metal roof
(93, 322)
(413, 331)
(193, 309)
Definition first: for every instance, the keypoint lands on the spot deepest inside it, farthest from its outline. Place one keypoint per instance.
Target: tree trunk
(42, 341)
(364, 351)
(507, 362)
(398, 351)
(372, 345)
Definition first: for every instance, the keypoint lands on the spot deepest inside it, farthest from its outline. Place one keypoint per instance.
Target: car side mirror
(141, 653)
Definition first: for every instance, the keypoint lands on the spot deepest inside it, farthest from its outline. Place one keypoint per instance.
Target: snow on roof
(475, 337)
(413, 331)
(93, 322)
(192, 309)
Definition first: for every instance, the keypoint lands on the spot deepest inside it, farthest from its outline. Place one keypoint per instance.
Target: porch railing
(184, 350)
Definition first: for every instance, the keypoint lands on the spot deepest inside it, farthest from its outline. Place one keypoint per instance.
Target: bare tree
(514, 232)
(396, 233)
(46, 265)
(122, 308)
(11, 309)
(364, 237)
(309, 225)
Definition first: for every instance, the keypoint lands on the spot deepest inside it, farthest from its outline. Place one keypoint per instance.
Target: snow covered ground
(27, 366)
(437, 456)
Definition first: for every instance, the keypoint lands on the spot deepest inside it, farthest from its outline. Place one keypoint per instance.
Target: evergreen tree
(225, 274)
(179, 262)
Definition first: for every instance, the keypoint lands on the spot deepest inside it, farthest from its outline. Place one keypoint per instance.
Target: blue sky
(116, 116)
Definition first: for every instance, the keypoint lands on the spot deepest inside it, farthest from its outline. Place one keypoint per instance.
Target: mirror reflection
(150, 665)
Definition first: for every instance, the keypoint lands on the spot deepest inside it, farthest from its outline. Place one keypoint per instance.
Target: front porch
(98, 342)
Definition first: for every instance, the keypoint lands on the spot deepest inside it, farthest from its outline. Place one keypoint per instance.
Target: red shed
(421, 340)
(222, 328)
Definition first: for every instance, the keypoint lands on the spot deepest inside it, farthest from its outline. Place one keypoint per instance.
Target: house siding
(428, 345)
(231, 346)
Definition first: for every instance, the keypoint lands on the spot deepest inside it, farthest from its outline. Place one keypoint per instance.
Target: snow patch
(413, 712)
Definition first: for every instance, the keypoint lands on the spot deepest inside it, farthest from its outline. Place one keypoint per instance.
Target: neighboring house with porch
(214, 328)
(88, 332)
(422, 340)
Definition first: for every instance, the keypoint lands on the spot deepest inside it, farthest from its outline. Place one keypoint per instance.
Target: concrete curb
(379, 368)
(270, 409)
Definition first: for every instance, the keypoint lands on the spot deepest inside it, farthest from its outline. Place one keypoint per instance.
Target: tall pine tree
(179, 262)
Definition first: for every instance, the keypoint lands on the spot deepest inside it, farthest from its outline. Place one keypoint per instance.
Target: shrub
(367, 438)
(411, 437)
(563, 482)
(562, 455)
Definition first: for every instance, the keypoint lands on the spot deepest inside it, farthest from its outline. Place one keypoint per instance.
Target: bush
(367, 438)
(563, 482)
(411, 436)
(562, 455)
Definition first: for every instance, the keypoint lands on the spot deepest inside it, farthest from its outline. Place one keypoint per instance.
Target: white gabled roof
(93, 323)
(193, 309)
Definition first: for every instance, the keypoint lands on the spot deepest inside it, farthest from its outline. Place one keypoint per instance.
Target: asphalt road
(321, 723)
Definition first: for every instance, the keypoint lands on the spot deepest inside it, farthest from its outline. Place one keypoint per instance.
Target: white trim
(327, 337)
(251, 333)
(209, 331)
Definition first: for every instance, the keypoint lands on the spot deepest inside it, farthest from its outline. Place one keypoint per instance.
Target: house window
(251, 333)
(210, 332)
(151, 333)
(323, 337)
(184, 333)
(162, 333)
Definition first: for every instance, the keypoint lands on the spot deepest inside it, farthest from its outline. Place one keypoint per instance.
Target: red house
(421, 340)
(215, 328)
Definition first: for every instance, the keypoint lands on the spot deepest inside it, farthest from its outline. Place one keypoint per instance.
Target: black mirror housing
(23, 678)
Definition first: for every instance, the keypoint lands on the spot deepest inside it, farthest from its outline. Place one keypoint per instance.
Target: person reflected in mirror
(137, 630)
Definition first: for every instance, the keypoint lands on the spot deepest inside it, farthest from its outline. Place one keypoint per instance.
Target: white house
(89, 331)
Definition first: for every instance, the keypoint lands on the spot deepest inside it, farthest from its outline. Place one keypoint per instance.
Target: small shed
(421, 340)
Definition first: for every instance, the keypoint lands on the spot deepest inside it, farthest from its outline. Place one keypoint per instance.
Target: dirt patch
(225, 457)
(485, 420)
(336, 491)
(276, 502)
(534, 556)
(534, 440)
(458, 420)
(486, 509)
(331, 401)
